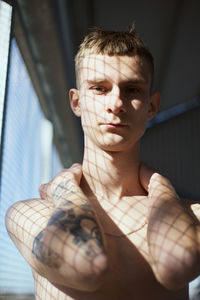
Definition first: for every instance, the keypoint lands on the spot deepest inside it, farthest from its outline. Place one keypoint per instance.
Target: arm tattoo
(81, 225)
(44, 254)
(66, 203)
(87, 208)
(68, 220)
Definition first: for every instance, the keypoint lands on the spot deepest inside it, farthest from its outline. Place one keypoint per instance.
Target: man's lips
(110, 124)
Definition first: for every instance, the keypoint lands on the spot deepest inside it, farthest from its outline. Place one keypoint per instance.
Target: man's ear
(153, 105)
(74, 101)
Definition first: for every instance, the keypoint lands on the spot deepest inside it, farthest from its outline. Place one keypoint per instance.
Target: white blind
(5, 25)
(22, 166)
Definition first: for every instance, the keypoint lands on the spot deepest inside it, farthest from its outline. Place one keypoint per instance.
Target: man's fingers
(159, 186)
(154, 183)
(68, 178)
(145, 175)
(44, 191)
(76, 170)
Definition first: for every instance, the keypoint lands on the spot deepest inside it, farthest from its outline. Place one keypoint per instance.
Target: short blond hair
(121, 43)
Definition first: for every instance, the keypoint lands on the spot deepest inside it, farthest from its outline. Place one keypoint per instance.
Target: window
(26, 162)
(5, 25)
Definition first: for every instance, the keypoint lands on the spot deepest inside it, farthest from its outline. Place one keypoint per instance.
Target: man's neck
(112, 174)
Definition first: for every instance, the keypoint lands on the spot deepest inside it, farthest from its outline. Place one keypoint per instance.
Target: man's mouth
(115, 125)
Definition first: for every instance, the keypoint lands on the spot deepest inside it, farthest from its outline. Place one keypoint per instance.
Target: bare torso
(129, 276)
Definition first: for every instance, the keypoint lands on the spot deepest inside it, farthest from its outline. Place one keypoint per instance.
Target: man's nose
(115, 103)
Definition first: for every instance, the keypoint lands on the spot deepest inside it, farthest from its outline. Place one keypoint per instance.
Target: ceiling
(48, 33)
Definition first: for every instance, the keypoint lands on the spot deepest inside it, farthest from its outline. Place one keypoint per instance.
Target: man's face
(114, 100)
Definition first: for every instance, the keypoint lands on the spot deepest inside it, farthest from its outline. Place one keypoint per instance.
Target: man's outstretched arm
(173, 233)
(62, 242)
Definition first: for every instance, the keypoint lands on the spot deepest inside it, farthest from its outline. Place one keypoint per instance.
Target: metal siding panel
(173, 148)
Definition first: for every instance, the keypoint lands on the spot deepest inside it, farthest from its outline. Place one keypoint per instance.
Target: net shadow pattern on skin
(63, 231)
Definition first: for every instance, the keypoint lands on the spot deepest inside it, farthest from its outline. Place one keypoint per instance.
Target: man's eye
(99, 89)
(133, 90)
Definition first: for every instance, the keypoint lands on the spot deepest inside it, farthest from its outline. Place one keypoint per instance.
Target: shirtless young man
(111, 228)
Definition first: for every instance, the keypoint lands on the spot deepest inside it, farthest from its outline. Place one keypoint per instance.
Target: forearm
(71, 244)
(173, 239)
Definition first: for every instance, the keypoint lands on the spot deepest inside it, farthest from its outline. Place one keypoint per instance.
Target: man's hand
(173, 233)
(63, 185)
